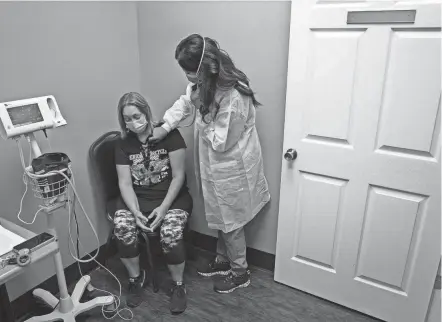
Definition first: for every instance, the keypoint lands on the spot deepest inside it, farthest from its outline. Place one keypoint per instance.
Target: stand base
(72, 304)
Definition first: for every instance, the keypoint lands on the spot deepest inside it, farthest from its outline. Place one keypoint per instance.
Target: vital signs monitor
(29, 115)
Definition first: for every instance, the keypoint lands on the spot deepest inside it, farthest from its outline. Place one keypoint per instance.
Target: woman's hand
(159, 214)
(158, 134)
(141, 221)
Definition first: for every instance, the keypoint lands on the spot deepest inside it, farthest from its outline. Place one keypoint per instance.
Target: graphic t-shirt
(151, 170)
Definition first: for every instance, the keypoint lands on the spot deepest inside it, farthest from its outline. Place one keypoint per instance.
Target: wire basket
(49, 187)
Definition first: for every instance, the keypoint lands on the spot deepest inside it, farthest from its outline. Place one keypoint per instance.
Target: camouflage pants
(171, 234)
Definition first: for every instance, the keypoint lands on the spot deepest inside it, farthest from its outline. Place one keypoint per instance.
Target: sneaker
(135, 296)
(215, 268)
(232, 282)
(178, 299)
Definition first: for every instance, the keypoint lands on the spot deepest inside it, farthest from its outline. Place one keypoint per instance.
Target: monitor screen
(24, 115)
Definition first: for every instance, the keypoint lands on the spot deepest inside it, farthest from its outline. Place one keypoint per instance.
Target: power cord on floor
(117, 298)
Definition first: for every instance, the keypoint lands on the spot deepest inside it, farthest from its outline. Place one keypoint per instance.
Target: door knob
(290, 155)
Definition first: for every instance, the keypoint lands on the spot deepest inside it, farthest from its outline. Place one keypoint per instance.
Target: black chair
(101, 154)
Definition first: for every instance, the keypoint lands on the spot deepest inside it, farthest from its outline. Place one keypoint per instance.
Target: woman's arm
(177, 163)
(128, 193)
(229, 124)
(180, 110)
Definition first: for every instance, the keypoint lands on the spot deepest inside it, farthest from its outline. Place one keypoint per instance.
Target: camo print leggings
(171, 235)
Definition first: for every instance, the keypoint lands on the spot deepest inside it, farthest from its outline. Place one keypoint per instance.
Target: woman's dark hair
(217, 70)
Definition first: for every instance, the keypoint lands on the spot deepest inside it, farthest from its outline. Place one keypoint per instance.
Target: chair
(101, 154)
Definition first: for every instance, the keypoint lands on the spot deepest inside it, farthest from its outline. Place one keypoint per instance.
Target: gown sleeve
(180, 110)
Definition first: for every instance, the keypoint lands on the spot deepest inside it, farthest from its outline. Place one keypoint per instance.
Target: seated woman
(153, 195)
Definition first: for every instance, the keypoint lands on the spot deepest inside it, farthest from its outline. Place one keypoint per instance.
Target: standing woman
(228, 159)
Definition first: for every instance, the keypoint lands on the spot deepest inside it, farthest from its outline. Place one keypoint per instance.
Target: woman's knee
(125, 227)
(172, 228)
(171, 233)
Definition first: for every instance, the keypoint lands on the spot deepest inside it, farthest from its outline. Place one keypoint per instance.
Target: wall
(86, 55)
(255, 34)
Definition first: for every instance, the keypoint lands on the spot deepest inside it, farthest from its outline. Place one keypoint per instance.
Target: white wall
(86, 54)
(255, 34)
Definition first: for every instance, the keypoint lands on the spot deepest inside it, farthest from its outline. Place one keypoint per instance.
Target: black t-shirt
(151, 170)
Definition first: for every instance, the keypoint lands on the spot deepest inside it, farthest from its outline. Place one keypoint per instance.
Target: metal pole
(66, 304)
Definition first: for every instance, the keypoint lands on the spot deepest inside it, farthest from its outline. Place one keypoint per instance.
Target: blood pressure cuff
(55, 184)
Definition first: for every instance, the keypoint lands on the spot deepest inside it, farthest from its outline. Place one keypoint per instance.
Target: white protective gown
(228, 159)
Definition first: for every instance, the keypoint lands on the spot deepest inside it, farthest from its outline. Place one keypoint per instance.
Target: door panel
(359, 220)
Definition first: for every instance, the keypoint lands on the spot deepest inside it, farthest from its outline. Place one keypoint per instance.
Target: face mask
(192, 78)
(137, 126)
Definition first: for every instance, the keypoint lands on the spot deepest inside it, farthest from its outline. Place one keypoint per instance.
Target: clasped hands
(151, 222)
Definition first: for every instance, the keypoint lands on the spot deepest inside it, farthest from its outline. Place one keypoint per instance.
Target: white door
(359, 219)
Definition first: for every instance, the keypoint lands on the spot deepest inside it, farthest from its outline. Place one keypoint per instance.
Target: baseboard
(26, 303)
(255, 257)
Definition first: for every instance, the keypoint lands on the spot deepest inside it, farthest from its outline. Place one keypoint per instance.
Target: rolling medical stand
(24, 118)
